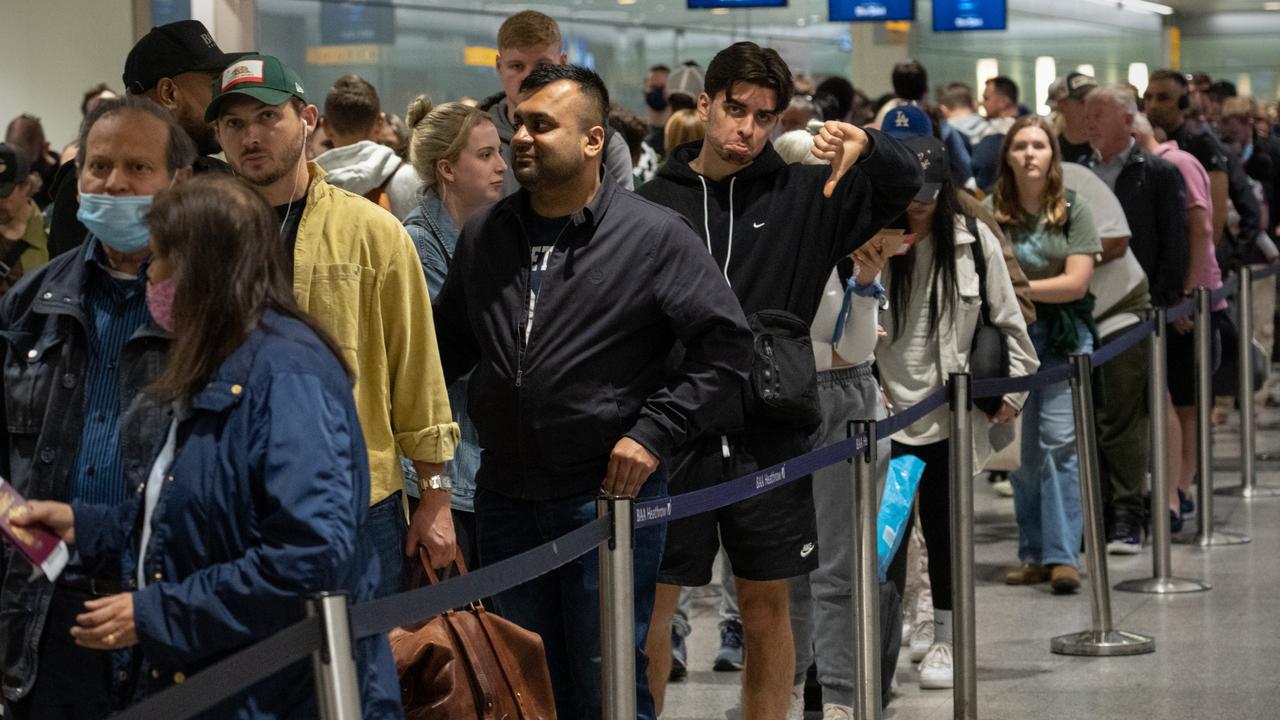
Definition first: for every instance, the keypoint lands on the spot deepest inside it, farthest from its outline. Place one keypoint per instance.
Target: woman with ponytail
(458, 156)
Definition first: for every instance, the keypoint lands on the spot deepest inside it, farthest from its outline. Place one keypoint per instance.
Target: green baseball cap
(261, 77)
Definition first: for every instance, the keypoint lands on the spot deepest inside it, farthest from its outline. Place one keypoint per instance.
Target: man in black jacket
(775, 231)
(565, 300)
(1166, 102)
(174, 65)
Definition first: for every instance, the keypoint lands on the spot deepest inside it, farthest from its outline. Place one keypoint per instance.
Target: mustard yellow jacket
(355, 270)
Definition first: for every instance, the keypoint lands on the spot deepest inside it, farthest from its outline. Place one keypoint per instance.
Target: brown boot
(1027, 575)
(1064, 579)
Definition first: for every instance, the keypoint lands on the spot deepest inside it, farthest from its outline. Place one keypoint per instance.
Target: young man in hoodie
(358, 163)
(775, 231)
(525, 41)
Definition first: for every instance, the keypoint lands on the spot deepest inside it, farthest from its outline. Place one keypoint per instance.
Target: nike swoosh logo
(757, 225)
(806, 550)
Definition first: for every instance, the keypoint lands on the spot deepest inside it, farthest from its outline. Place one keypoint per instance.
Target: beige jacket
(955, 337)
(355, 270)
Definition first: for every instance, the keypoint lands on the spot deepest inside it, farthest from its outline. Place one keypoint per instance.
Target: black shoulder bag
(989, 352)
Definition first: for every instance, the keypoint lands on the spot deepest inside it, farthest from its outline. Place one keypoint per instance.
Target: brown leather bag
(472, 664)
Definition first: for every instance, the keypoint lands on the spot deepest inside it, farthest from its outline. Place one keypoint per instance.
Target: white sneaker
(921, 639)
(832, 711)
(795, 710)
(935, 668)
(1001, 484)
(906, 631)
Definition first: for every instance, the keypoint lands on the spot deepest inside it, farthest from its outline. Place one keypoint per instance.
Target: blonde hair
(438, 133)
(684, 126)
(529, 28)
(1053, 202)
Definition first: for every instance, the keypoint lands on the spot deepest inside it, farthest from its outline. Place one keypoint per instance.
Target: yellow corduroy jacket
(355, 270)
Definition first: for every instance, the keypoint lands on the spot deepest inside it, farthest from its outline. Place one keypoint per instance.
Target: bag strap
(483, 683)
(980, 266)
(506, 663)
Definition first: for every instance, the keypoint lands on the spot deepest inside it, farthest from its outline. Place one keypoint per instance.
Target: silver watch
(435, 482)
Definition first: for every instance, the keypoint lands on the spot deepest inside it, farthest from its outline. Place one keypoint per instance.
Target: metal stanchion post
(1248, 487)
(617, 611)
(1162, 580)
(1102, 638)
(964, 691)
(1206, 536)
(334, 662)
(866, 574)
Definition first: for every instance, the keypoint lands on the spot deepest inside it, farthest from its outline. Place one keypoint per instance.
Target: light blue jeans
(1046, 489)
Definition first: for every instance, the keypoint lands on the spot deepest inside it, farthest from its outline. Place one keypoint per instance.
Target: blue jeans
(389, 531)
(1046, 489)
(563, 606)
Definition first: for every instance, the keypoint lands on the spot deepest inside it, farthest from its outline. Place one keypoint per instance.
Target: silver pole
(617, 611)
(1102, 639)
(334, 662)
(1248, 487)
(964, 691)
(1162, 581)
(866, 574)
(1206, 536)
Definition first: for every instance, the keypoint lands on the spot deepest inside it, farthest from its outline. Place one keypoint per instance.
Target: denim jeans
(389, 530)
(1046, 489)
(563, 606)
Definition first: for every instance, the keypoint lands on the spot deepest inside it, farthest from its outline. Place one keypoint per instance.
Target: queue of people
(278, 351)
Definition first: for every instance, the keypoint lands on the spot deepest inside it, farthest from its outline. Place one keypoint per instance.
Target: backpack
(379, 195)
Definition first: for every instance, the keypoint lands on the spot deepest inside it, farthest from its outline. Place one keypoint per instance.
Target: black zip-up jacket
(1232, 250)
(771, 231)
(1154, 198)
(626, 281)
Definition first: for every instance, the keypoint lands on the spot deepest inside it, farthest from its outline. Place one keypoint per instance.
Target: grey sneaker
(729, 658)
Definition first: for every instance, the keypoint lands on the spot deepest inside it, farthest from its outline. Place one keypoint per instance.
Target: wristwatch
(435, 482)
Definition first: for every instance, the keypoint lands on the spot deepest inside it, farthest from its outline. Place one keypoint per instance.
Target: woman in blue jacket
(260, 491)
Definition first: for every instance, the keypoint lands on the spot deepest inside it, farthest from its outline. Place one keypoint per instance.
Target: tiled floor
(1214, 650)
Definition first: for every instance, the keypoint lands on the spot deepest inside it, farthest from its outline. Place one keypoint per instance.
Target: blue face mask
(117, 221)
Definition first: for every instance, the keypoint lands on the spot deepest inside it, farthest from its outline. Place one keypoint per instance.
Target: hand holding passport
(37, 543)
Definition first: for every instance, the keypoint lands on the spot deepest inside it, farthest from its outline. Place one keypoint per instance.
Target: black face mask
(656, 99)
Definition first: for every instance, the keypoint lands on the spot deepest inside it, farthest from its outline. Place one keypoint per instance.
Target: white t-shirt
(1113, 281)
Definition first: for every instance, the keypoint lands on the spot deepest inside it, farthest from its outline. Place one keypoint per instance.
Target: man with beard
(776, 231)
(565, 300)
(356, 271)
(23, 246)
(174, 65)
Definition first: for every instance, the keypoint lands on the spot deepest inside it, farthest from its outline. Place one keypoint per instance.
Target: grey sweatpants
(822, 603)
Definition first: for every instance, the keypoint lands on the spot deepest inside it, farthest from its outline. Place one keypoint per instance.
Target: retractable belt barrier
(251, 665)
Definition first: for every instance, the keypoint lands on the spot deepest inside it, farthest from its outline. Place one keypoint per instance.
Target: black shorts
(772, 536)
(1181, 360)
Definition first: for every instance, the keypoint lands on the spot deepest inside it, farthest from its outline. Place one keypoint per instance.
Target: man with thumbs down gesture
(775, 231)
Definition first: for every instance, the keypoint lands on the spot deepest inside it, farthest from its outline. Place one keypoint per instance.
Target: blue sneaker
(1126, 536)
(730, 656)
(1186, 506)
(1175, 523)
(679, 658)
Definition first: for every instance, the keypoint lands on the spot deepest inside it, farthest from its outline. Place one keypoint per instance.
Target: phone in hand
(908, 239)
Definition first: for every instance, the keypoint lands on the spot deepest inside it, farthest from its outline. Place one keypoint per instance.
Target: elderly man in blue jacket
(567, 299)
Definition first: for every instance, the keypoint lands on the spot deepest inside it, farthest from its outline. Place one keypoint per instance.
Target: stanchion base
(1094, 643)
(1163, 586)
(1219, 538)
(1249, 492)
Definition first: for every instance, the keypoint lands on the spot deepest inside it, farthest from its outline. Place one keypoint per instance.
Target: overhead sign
(344, 55)
(966, 15)
(477, 56)
(870, 10)
(357, 22)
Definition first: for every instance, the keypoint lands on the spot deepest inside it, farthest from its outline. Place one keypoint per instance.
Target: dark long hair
(943, 234)
(222, 244)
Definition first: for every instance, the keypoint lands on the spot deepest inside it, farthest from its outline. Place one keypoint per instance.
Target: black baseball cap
(13, 169)
(170, 50)
(932, 156)
(1077, 85)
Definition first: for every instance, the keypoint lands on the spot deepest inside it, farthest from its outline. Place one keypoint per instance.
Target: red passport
(44, 549)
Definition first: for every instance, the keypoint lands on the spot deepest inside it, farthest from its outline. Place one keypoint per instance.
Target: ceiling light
(626, 2)
(1136, 6)
(1272, 6)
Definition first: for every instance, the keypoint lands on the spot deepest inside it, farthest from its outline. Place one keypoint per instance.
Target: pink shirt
(1198, 196)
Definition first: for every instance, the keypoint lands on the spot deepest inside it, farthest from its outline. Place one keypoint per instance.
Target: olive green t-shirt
(1042, 250)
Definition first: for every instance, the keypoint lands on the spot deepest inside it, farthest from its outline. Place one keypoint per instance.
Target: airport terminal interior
(1214, 649)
